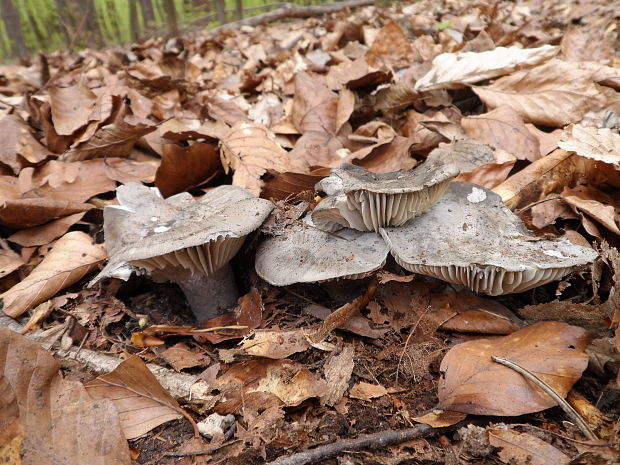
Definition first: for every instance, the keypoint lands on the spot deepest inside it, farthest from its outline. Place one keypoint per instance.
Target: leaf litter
(522, 97)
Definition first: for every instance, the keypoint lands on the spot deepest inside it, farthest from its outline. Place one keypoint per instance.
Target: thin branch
(375, 440)
(568, 409)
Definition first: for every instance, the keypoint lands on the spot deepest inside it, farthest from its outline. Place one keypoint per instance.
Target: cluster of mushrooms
(458, 232)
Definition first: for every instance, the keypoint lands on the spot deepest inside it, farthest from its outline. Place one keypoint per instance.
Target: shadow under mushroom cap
(469, 237)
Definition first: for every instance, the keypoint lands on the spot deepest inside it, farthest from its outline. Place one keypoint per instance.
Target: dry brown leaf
(179, 356)
(18, 147)
(51, 420)
(366, 391)
(141, 402)
(554, 94)
(453, 70)
(590, 201)
(440, 418)
(503, 129)
(551, 174)
(473, 383)
(276, 344)
(287, 185)
(357, 324)
(288, 381)
(250, 149)
(71, 107)
(601, 144)
(391, 48)
(44, 234)
(183, 168)
(580, 45)
(72, 257)
(525, 449)
(26, 213)
(9, 262)
(337, 371)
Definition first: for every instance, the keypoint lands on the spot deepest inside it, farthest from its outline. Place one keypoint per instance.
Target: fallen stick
(290, 10)
(375, 440)
(183, 387)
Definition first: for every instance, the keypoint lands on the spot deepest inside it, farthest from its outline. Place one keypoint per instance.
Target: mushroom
(366, 201)
(306, 254)
(469, 237)
(183, 240)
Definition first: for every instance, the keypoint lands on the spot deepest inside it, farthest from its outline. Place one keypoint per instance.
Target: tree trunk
(171, 18)
(220, 10)
(239, 9)
(13, 28)
(134, 24)
(148, 13)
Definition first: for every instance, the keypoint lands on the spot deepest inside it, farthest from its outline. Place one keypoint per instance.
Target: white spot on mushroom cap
(554, 253)
(476, 195)
(154, 218)
(160, 229)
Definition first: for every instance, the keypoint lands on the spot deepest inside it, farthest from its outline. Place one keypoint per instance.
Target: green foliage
(46, 28)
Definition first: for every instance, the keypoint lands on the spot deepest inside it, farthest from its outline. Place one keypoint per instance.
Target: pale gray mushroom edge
(183, 240)
(470, 237)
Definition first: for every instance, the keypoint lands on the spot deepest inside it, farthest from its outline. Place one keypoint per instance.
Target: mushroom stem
(210, 296)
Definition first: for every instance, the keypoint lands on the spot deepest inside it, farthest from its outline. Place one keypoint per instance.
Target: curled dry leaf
(390, 48)
(18, 147)
(274, 344)
(48, 419)
(250, 149)
(522, 448)
(141, 402)
(366, 391)
(337, 371)
(602, 144)
(503, 129)
(72, 257)
(453, 70)
(71, 107)
(554, 94)
(472, 383)
(440, 418)
(580, 45)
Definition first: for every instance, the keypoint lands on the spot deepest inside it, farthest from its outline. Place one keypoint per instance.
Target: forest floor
(523, 96)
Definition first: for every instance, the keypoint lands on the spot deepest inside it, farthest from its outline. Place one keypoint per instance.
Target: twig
(568, 409)
(293, 11)
(533, 204)
(375, 440)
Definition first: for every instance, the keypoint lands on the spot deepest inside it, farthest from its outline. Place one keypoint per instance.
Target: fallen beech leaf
(44, 234)
(179, 356)
(9, 262)
(601, 144)
(472, 383)
(337, 371)
(552, 173)
(276, 344)
(503, 129)
(584, 199)
(391, 48)
(72, 257)
(142, 339)
(366, 391)
(50, 419)
(183, 168)
(249, 150)
(580, 45)
(18, 147)
(453, 70)
(71, 107)
(525, 449)
(289, 381)
(440, 418)
(283, 186)
(554, 94)
(141, 402)
(27, 213)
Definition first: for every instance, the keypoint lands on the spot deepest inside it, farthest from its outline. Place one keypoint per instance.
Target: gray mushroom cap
(367, 201)
(469, 237)
(306, 254)
(201, 236)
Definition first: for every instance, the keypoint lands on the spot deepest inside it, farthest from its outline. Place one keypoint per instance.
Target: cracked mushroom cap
(179, 233)
(367, 201)
(469, 237)
(306, 254)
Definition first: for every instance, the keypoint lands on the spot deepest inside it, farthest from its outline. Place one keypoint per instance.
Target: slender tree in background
(239, 9)
(134, 24)
(220, 10)
(171, 18)
(148, 13)
(10, 16)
